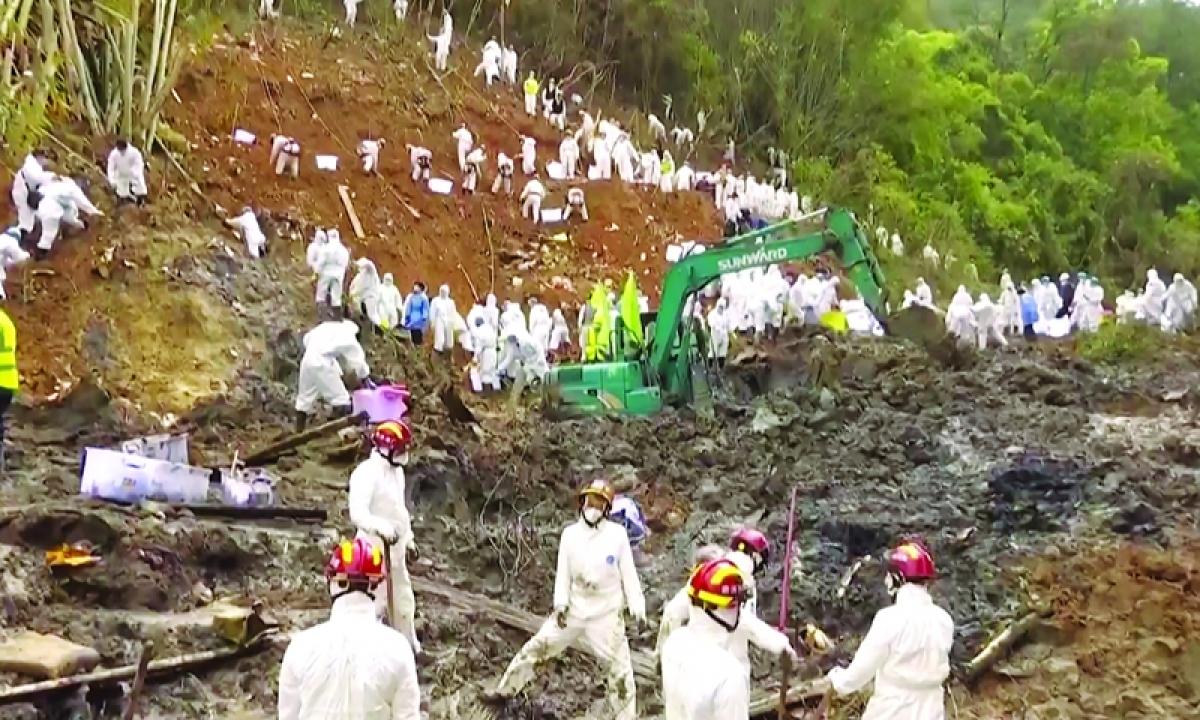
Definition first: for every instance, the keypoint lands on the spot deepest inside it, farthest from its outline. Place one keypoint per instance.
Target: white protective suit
(127, 173)
(400, 7)
(62, 199)
(651, 168)
(987, 319)
(960, 315)
(463, 142)
(489, 64)
(576, 205)
(378, 510)
(601, 158)
(718, 331)
(421, 159)
(285, 155)
(441, 50)
(508, 65)
(897, 245)
(1153, 298)
(1049, 302)
(313, 253)
(523, 357)
(700, 678)
(252, 234)
(368, 153)
(531, 200)
(700, 675)
(931, 256)
(325, 347)
(568, 155)
(1128, 307)
(492, 312)
(351, 11)
(1010, 309)
(331, 270)
(595, 580)
(475, 160)
(1179, 304)
(560, 332)
(682, 136)
(528, 155)
(350, 666)
(907, 653)
(31, 176)
(364, 290)
(443, 319)
(504, 173)
(924, 293)
(1088, 310)
(11, 254)
(540, 324)
(684, 177)
(483, 340)
(391, 303)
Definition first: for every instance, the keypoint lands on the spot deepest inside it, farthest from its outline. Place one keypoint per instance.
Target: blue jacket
(416, 312)
(1029, 310)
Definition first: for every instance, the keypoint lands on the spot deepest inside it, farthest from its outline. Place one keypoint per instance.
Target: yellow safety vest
(9, 379)
(531, 86)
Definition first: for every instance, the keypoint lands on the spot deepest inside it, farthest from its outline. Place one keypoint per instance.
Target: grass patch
(1115, 343)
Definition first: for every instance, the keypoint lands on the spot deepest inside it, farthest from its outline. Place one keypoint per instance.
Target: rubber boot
(301, 421)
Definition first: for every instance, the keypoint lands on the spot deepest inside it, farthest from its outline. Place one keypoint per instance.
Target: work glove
(560, 615)
(387, 533)
(410, 551)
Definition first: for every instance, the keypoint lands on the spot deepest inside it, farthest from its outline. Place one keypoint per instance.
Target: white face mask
(403, 459)
(593, 515)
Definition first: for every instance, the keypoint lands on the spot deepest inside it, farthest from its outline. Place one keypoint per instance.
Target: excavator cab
(670, 367)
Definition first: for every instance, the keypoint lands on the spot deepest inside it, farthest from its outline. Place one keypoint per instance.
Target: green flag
(631, 313)
(600, 333)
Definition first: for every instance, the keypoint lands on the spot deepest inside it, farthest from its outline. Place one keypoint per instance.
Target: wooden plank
(253, 512)
(279, 447)
(344, 192)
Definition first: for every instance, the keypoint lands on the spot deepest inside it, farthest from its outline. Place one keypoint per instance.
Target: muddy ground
(1040, 481)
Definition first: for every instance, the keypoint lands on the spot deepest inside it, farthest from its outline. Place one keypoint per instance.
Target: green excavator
(671, 368)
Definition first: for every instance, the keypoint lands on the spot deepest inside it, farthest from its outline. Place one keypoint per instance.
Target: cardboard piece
(328, 163)
(45, 656)
(556, 170)
(244, 137)
(172, 448)
(441, 186)
(552, 215)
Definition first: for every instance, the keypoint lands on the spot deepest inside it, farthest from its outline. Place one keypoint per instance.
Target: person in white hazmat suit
(378, 510)
(492, 312)
(267, 9)
(987, 322)
(508, 65)
(1152, 298)
(400, 7)
(326, 347)
(351, 11)
(1049, 302)
(907, 650)
(11, 253)
(701, 677)
(391, 303)
(127, 173)
(421, 159)
(1010, 308)
(62, 199)
(368, 154)
(350, 666)
(601, 158)
(313, 253)
(568, 155)
(26, 191)
(531, 200)
(718, 332)
(924, 293)
(576, 205)
(443, 319)
(489, 63)
(560, 332)
(441, 50)
(684, 178)
(1088, 307)
(483, 340)
(960, 316)
(596, 579)
(331, 270)
(464, 140)
(285, 155)
(364, 290)
(931, 255)
(1128, 307)
(475, 160)
(246, 225)
(504, 174)
(522, 359)
(540, 324)
(528, 155)
(1179, 304)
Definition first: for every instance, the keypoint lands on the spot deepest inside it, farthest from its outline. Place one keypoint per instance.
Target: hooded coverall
(492, 312)
(331, 270)
(483, 340)
(1153, 297)
(576, 204)
(568, 155)
(349, 666)
(285, 155)
(390, 303)
(368, 152)
(907, 653)
(531, 94)
(560, 332)
(11, 254)
(422, 162)
(540, 325)
(718, 332)
(528, 155)
(701, 678)
(443, 316)
(247, 225)
(313, 253)
(377, 509)
(127, 173)
(441, 50)
(464, 141)
(364, 290)
(325, 347)
(29, 178)
(62, 199)
(596, 579)
(504, 173)
(531, 200)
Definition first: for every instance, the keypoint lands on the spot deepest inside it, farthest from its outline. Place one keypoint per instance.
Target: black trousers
(417, 335)
(6, 398)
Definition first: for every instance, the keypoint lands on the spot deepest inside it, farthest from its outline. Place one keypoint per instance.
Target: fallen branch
(1001, 644)
(279, 447)
(474, 292)
(156, 669)
(487, 231)
(139, 681)
(253, 512)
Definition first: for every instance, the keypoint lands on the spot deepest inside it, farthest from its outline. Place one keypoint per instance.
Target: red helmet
(717, 584)
(393, 436)
(911, 561)
(355, 560)
(749, 540)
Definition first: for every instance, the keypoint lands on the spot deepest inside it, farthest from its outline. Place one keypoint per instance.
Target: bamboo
(131, 26)
(1001, 644)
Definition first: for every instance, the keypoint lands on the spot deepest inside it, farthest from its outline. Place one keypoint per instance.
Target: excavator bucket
(926, 329)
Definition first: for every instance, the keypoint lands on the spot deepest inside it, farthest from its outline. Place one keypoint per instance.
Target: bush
(1115, 343)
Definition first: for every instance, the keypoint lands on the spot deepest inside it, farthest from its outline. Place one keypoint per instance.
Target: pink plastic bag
(383, 403)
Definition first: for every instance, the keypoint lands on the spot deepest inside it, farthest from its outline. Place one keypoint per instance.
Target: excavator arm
(772, 245)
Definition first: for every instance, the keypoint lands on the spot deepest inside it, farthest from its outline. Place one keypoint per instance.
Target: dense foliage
(1031, 134)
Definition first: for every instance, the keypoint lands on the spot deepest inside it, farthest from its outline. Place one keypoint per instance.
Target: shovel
(391, 588)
